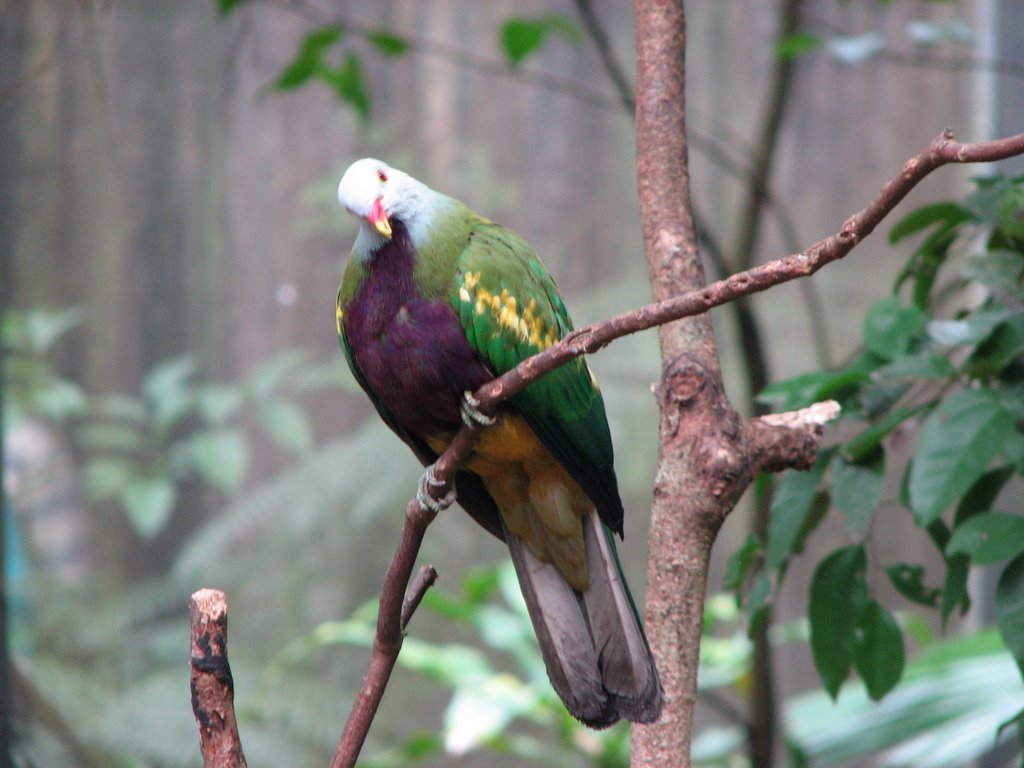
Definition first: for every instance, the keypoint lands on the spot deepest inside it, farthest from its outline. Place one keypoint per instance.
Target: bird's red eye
(381, 175)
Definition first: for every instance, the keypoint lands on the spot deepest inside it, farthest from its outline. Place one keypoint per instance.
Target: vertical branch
(213, 689)
(761, 733)
(686, 513)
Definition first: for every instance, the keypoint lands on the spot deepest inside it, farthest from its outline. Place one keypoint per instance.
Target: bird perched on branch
(436, 301)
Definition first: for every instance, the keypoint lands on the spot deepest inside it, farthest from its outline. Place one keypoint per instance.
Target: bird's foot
(423, 493)
(472, 417)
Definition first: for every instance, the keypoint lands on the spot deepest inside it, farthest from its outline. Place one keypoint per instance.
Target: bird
(435, 301)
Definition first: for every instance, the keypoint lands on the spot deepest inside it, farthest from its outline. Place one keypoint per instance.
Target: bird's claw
(472, 417)
(427, 501)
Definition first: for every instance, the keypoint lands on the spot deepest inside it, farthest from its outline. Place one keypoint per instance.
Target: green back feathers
(510, 309)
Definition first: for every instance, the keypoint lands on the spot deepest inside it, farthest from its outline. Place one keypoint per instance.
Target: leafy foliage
(942, 360)
(138, 450)
(316, 60)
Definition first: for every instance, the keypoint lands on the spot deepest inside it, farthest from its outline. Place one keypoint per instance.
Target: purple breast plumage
(411, 350)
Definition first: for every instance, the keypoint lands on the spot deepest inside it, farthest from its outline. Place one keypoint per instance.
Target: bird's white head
(377, 194)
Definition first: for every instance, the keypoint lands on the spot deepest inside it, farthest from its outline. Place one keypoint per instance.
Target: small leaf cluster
(941, 371)
(321, 57)
(138, 449)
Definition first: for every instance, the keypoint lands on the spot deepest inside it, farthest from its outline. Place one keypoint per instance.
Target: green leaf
(981, 496)
(926, 365)
(948, 213)
(387, 43)
(957, 442)
(58, 399)
(857, 487)
(148, 503)
(1000, 269)
(867, 442)
(309, 60)
(984, 202)
(909, 582)
(797, 392)
(42, 328)
(1010, 609)
(221, 456)
(105, 476)
(168, 390)
(740, 563)
(971, 329)
(796, 44)
(805, 389)
(890, 328)
(791, 510)
(877, 397)
(287, 425)
(838, 595)
(219, 403)
(349, 85)
(1011, 211)
(302, 67)
(520, 37)
(118, 408)
(878, 654)
(224, 7)
(319, 40)
(755, 604)
(110, 437)
(954, 589)
(988, 538)
(1002, 349)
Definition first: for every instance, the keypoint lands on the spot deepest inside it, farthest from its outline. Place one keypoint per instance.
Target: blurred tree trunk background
(149, 175)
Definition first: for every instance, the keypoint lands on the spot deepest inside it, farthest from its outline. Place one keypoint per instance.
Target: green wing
(510, 309)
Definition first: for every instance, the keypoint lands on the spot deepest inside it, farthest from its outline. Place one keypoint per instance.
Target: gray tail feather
(593, 645)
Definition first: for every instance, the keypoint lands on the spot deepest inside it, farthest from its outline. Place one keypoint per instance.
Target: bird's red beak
(379, 218)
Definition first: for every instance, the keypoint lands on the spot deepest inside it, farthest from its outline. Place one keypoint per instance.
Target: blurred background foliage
(176, 414)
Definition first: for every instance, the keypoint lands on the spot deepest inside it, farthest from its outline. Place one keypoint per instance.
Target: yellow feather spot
(470, 280)
(483, 300)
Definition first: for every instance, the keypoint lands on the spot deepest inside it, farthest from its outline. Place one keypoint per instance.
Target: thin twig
(425, 578)
(943, 150)
(599, 37)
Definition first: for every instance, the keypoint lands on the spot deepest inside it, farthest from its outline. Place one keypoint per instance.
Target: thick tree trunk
(686, 514)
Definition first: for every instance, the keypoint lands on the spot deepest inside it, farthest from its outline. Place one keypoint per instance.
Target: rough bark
(213, 689)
